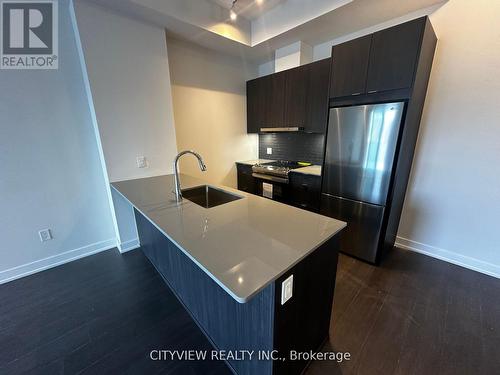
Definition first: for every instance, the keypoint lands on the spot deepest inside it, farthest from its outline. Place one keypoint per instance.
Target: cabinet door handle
(356, 93)
(372, 91)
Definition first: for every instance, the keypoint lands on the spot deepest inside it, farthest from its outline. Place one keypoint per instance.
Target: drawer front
(305, 191)
(246, 182)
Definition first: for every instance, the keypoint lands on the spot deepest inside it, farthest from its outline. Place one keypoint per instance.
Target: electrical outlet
(269, 151)
(142, 162)
(45, 235)
(286, 289)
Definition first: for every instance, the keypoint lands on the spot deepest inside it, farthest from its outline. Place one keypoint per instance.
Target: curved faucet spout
(177, 184)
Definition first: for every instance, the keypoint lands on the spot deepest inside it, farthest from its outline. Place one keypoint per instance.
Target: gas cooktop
(279, 168)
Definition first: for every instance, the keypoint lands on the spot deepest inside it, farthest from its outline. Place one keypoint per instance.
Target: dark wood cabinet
(378, 63)
(296, 97)
(370, 67)
(266, 102)
(246, 182)
(274, 99)
(295, 110)
(306, 98)
(305, 191)
(255, 105)
(350, 67)
(317, 96)
(393, 57)
(262, 323)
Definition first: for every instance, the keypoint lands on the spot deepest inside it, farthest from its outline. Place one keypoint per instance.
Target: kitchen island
(226, 264)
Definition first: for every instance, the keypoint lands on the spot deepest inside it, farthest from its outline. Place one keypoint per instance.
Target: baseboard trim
(129, 245)
(449, 256)
(55, 260)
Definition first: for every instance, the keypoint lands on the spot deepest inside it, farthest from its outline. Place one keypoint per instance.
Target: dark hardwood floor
(98, 315)
(414, 315)
(103, 314)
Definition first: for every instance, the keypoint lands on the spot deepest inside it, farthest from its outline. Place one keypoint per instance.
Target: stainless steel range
(275, 171)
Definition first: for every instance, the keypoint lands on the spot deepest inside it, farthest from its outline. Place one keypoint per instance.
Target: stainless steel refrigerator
(361, 147)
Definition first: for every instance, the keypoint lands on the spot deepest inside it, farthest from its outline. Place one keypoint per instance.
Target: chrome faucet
(177, 183)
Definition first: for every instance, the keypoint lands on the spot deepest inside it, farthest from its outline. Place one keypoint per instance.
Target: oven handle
(281, 180)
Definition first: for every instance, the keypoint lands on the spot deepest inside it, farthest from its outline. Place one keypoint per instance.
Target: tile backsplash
(306, 147)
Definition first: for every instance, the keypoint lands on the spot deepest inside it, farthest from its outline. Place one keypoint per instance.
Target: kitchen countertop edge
(311, 170)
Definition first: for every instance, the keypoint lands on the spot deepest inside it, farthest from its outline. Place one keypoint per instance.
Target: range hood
(281, 130)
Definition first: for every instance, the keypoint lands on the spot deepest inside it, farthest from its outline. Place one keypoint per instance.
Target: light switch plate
(269, 150)
(142, 162)
(286, 289)
(45, 235)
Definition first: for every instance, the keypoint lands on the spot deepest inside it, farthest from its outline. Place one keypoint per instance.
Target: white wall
(209, 93)
(51, 175)
(452, 207)
(266, 68)
(291, 56)
(288, 57)
(127, 66)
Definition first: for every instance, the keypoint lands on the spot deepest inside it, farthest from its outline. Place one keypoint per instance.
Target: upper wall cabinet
(306, 96)
(394, 56)
(317, 96)
(350, 67)
(264, 96)
(255, 105)
(295, 98)
(378, 62)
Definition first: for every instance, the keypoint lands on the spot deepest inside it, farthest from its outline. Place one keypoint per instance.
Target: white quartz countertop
(254, 161)
(313, 170)
(242, 245)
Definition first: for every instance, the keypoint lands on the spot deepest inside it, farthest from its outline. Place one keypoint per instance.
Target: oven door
(272, 187)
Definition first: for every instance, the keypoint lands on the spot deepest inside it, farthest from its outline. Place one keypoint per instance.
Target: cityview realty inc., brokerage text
(245, 355)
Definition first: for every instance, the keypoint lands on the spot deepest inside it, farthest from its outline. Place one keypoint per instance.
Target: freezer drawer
(364, 225)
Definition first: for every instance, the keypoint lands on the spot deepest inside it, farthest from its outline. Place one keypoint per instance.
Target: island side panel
(229, 325)
(302, 323)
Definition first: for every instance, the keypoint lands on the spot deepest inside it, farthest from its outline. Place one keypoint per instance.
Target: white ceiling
(206, 22)
(250, 9)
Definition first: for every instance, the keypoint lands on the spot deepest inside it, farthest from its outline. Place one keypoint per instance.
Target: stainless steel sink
(208, 196)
